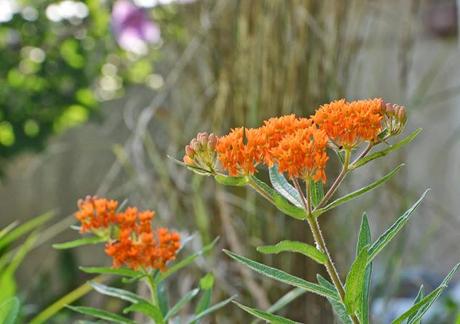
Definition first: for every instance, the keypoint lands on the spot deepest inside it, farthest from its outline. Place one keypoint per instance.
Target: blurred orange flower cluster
(298, 145)
(132, 240)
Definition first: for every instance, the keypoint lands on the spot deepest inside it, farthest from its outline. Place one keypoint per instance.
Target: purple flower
(132, 27)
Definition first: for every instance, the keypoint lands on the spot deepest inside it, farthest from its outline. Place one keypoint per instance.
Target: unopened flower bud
(212, 141)
(188, 160)
(189, 151)
(202, 138)
(195, 145)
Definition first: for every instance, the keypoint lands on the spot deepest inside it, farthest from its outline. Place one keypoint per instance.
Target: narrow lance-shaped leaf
(337, 305)
(206, 285)
(390, 233)
(281, 185)
(9, 310)
(286, 299)
(387, 150)
(211, 309)
(364, 239)
(418, 298)
(354, 284)
(420, 308)
(297, 247)
(124, 272)
(317, 192)
(355, 194)
(282, 276)
(80, 242)
(277, 200)
(266, 316)
(181, 303)
(101, 314)
(147, 309)
(117, 292)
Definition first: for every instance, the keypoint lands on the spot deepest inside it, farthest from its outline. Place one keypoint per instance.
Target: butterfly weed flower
(347, 124)
(240, 151)
(201, 152)
(303, 154)
(96, 214)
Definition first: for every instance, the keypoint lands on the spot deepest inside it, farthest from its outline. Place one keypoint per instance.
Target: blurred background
(94, 95)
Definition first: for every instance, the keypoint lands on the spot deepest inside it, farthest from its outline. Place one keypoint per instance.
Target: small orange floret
(349, 123)
(96, 213)
(276, 128)
(303, 154)
(240, 153)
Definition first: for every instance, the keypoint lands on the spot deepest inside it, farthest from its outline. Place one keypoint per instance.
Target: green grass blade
(364, 239)
(297, 247)
(418, 298)
(282, 276)
(391, 232)
(9, 310)
(286, 299)
(181, 303)
(266, 316)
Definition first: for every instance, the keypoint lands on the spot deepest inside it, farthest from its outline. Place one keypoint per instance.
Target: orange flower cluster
(95, 213)
(348, 123)
(303, 154)
(138, 245)
(134, 243)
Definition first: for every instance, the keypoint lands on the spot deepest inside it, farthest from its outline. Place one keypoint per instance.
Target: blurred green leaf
(80, 242)
(206, 285)
(147, 309)
(117, 292)
(420, 308)
(281, 276)
(286, 299)
(266, 316)
(124, 272)
(101, 314)
(297, 247)
(364, 239)
(231, 181)
(181, 303)
(281, 185)
(390, 233)
(9, 310)
(387, 150)
(211, 309)
(355, 194)
(355, 281)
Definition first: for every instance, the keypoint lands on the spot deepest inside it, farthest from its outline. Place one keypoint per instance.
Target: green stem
(321, 244)
(153, 289)
(259, 190)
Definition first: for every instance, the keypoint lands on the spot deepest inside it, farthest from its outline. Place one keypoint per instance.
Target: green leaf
(391, 232)
(364, 239)
(117, 292)
(286, 299)
(24, 229)
(9, 310)
(101, 314)
(354, 284)
(387, 150)
(80, 242)
(420, 308)
(276, 199)
(124, 272)
(317, 192)
(357, 193)
(294, 246)
(231, 181)
(266, 316)
(206, 285)
(338, 307)
(281, 185)
(7, 229)
(163, 299)
(187, 261)
(281, 276)
(181, 303)
(211, 309)
(418, 298)
(147, 309)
